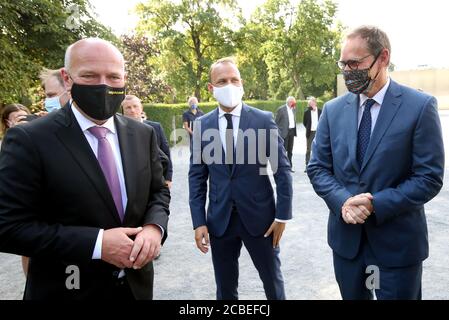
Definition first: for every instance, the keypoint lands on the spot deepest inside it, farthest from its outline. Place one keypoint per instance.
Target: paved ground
(182, 272)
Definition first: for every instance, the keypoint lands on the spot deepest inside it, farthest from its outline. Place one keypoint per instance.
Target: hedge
(170, 115)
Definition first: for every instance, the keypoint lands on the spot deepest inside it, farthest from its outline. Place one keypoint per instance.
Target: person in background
(310, 122)
(56, 96)
(132, 108)
(12, 115)
(286, 122)
(191, 115)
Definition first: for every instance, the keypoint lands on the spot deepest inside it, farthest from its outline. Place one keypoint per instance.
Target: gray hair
(129, 97)
(49, 73)
(191, 99)
(290, 99)
(376, 39)
(67, 58)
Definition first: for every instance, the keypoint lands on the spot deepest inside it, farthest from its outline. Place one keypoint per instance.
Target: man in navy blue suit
(232, 146)
(377, 158)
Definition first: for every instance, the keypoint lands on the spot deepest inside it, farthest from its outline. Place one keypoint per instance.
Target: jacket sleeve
(163, 144)
(158, 204)
(426, 178)
(320, 169)
(198, 176)
(24, 229)
(281, 171)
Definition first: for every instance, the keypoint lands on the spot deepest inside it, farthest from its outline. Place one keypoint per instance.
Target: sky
(417, 29)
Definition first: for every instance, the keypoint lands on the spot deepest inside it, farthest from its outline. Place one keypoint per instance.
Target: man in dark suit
(286, 122)
(81, 190)
(377, 159)
(310, 122)
(242, 207)
(132, 108)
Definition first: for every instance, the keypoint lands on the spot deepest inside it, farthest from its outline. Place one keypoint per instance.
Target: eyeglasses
(352, 64)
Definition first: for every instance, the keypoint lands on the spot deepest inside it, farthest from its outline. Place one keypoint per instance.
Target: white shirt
(223, 124)
(314, 117)
(291, 118)
(112, 137)
(375, 109)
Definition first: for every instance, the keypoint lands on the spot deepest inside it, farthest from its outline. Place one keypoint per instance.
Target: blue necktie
(364, 131)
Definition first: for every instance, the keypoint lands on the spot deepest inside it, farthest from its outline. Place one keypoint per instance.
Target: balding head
(93, 61)
(93, 45)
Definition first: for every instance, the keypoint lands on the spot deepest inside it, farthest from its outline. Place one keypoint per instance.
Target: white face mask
(228, 96)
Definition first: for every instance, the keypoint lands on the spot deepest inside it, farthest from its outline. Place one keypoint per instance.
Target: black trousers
(309, 146)
(288, 144)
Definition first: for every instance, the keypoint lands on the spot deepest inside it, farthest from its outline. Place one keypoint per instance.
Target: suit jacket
(163, 145)
(307, 120)
(282, 120)
(403, 168)
(54, 199)
(244, 186)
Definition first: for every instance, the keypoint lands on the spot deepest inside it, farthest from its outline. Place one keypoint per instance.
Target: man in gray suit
(286, 122)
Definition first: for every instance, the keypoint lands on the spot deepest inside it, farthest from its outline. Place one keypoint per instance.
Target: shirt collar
(235, 112)
(85, 123)
(378, 97)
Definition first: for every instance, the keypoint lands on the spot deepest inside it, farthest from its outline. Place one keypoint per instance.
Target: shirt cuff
(162, 230)
(281, 221)
(97, 250)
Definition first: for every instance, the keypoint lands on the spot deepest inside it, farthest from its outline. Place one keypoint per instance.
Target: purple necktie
(107, 163)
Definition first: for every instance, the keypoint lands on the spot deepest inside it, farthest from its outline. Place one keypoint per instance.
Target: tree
(142, 79)
(300, 46)
(191, 34)
(35, 34)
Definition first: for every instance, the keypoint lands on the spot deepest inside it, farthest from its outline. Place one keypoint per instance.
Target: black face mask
(100, 102)
(359, 81)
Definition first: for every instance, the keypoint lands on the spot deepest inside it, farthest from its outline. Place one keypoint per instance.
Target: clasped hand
(119, 249)
(357, 209)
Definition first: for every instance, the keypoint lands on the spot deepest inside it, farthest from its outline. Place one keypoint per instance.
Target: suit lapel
(388, 110)
(212, 123)
(351, 119)
(73, 139)
(129, 151)
(244, 124)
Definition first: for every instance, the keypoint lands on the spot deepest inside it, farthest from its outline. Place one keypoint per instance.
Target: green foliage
(299, 47)
(190, 34)
(282, 50)
(35, 34)
(142, 80)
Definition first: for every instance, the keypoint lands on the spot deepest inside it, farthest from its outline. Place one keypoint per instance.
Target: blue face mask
(52, 104)
(194, 106)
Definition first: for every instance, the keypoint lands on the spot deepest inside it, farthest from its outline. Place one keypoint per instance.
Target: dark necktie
(229, 141)
(364, 131)
(108, 166)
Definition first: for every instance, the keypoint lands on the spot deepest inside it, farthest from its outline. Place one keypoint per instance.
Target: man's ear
(210, 87)
(67, 80)
(385, 56)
